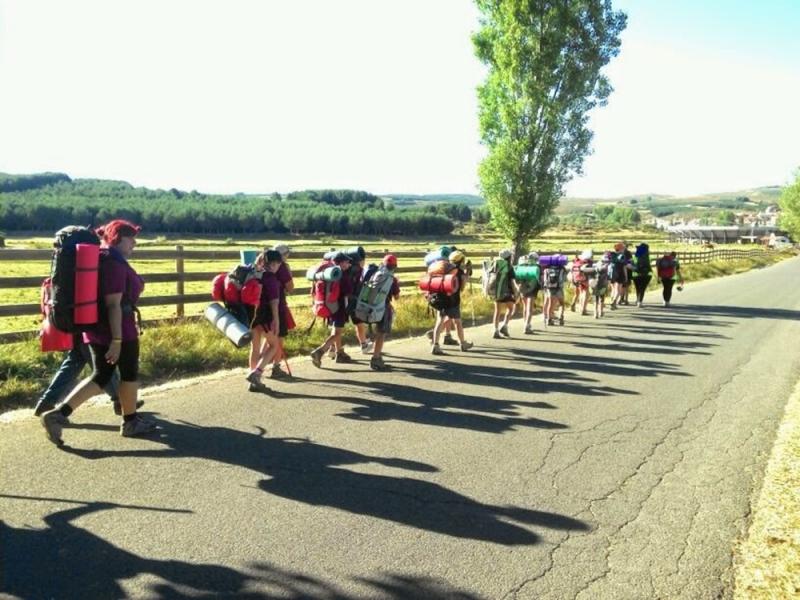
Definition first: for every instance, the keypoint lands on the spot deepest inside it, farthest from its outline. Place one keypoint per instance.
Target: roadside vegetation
(194, 347)
(768, 561)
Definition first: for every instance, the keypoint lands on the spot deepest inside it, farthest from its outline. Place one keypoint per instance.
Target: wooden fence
(183, 257)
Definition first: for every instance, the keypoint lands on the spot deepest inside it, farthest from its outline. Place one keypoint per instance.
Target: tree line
(48, 202)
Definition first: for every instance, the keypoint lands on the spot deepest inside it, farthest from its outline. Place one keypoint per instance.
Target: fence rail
(179, 276)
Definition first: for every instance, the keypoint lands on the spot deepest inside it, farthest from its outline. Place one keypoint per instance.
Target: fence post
(179, 285)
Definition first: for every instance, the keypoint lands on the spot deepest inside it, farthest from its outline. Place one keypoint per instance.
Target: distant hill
(658, 203)
(413, 199)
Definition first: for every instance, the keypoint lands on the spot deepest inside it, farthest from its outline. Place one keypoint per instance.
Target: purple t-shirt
(116, 276)
(284, 277)
(270, 288)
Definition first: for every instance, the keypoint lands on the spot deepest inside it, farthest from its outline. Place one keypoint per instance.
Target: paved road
(611, 459)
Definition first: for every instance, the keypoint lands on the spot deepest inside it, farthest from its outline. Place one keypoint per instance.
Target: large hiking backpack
(495, 278)
(242, 286)
(553, 278)
(375, 288)
(64, 275)
(666, 267)
(325, 290)
(641, 265)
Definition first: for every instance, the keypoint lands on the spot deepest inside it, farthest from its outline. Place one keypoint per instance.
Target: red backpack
(325, 290)
(666, 267)
(578, 276)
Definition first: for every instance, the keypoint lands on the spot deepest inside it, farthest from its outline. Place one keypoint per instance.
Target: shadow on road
(701, 312)
(65, 561)
(312, 473)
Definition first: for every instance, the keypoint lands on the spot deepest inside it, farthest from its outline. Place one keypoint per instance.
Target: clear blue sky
(276, 95)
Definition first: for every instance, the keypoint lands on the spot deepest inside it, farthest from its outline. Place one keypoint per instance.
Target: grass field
(478, 247)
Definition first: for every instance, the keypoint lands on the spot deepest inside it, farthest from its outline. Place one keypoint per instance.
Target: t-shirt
(116, 276)
(345, 290)
(270, 289)
(284, 277)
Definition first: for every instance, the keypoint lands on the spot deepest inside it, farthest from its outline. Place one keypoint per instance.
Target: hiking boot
(572, 307)
(504, 331)
(613, 306)
(551, 322)
(529, 330)
(376, 364)
(42, 408)
(466, 346)
(316, 358)
(343, 357)
(449, 340)
(118, 407)
(53, 422)
(137, 426)
(435, 349)
(496, 335)
(254, 377)
(278, 373)
(560, 320)
(366, 347)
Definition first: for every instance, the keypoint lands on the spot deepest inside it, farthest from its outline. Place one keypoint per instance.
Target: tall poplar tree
(790, 208)
(545, 59)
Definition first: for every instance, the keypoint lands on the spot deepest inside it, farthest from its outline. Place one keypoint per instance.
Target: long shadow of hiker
(311, 473)
(65, 561)
(407, 403)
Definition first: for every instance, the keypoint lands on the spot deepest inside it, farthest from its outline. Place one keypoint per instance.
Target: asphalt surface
(602, 459)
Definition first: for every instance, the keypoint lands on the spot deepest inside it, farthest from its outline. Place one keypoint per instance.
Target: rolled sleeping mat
(355, 251)
(552, 260)
(87, 261)
(527, 272)
(440, 284)
(233, 328)
(329, 274)
(248, 257)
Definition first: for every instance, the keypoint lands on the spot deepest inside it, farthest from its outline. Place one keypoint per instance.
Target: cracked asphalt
(602, 459)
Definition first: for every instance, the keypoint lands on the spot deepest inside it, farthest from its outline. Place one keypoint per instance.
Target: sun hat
(456, 257)
(505, 253)
(283, 249)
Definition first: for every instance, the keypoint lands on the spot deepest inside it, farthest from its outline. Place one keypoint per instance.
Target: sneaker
(504, 331)
(529, 330)
(343, 357)
(497, 336)
(466, 346)
(316, 358)
(551, 322)
(560, 320)
(572, 307)
(449, 340)
(435, 349)
(666, 304)
(613, 306)
(137, 426)
(53, 422)
(366, 347)
(118, 406)
(42, 408)
(376, 364)
(638, 305)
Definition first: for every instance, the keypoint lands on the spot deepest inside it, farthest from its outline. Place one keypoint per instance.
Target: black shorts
(127, 363)
(338, 320)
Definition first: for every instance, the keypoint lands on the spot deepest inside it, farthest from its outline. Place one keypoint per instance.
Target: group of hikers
(344, 288)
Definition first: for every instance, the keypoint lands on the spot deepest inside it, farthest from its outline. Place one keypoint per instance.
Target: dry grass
(768, 562)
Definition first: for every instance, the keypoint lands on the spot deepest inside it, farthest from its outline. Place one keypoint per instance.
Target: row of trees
(339, 212)
(603, 214)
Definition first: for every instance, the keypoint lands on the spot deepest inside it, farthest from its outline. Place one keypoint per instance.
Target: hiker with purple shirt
(114, 340)
(286, 281)
(266, 324)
